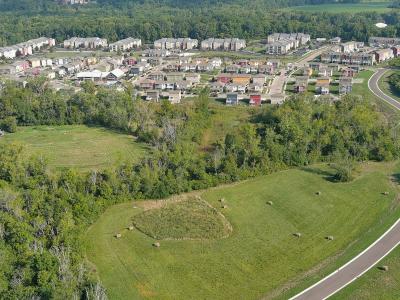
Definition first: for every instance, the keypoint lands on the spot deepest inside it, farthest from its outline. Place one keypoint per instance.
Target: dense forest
(151, 20)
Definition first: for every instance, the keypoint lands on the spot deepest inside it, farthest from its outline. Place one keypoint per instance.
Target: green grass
(376, 284)
(190, 218)
(386, 88)
(77, 146)
(261, 257)
(380, 7)
(362, 90)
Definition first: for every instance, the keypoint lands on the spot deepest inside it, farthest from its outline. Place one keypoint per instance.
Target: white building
(88, 43)
(179, 43)
(230, 44)
(125, 44)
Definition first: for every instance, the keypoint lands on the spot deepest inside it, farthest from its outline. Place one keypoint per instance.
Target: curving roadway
(367, 259)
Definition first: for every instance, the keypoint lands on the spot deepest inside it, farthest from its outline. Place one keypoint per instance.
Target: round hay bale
(297, 234)
(156, 244)
(130, 228)
(222, 200)
(134, 206)
(318, 193)
(329, 238)
(386, 193)
(224, 206)
(383, 268)
(118, 235)
(270, 203)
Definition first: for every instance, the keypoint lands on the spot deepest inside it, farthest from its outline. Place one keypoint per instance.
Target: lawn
(77, 146)
(261, 257)
(386, 88)
(379, 7)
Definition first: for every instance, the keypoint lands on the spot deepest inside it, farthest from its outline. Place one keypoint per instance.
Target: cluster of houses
(26, 48)
(323, 76)
(355, 53)
(233, 44)
(283, 43)
(176, 44)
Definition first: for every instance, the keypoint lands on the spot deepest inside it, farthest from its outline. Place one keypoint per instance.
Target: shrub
(9, 124)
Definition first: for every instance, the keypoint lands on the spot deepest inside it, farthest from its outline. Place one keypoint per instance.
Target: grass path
(261, 255)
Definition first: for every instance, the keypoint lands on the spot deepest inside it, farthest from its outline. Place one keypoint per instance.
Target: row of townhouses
(176, 44)
(230, 44)
(88, 43)
(26, 48)
(125, 44)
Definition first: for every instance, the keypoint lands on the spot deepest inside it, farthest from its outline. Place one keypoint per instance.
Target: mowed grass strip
(191, 218)
(77, 146)
(376, 283)
(261, 255)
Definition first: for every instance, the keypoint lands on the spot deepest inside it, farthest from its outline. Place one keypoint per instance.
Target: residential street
(374, 87)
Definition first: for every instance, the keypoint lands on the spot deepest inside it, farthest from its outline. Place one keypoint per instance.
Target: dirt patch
(145, 291)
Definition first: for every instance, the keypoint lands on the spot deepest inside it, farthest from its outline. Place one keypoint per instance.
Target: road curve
(370, 256)
(373, 85)
(354, 268)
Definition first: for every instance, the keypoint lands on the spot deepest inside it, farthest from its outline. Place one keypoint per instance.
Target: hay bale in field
(156, 244)
(130, 228)
(270, 203)
(318, 193)
(297, 234)
(224, 206)
(222, 200)
(118, 236)
(385, 193)
(383, 268)
(329, 238)
(134, 206)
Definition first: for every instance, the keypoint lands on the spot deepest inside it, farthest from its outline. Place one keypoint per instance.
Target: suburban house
(175, 96)
(383, 41)
(194, 78)
(147, 84)
(307, 71)
(224, 78)
(94, 75)
(255, 99)
(115, 75)
(301, 84)
(345, 85)
(153, 96)
(255, 87)
(396, 51)
(175, 76)
(156, 75)
(322, 85)
(232, 99)
(348, 72)
(125, 45)
(243, 79)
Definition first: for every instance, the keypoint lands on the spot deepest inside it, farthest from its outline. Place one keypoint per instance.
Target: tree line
(43, 213)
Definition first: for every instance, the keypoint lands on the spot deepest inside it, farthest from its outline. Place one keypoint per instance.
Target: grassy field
(77, 146)
(380, 7)
(190, 218)
(224, 120)
(261, 257)
(376, 284)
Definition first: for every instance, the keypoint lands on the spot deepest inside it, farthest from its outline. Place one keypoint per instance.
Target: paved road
(354, 268)
(373, 254)
(374, 87)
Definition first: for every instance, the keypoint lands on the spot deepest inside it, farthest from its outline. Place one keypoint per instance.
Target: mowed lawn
(379, 7)
(262, 255)
(376, 284)
(77, 146)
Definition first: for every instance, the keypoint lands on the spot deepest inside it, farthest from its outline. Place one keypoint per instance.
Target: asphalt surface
(370, 256)
(374, 87)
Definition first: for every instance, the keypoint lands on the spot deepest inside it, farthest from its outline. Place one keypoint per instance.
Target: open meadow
(274, 221)
(77, 146)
